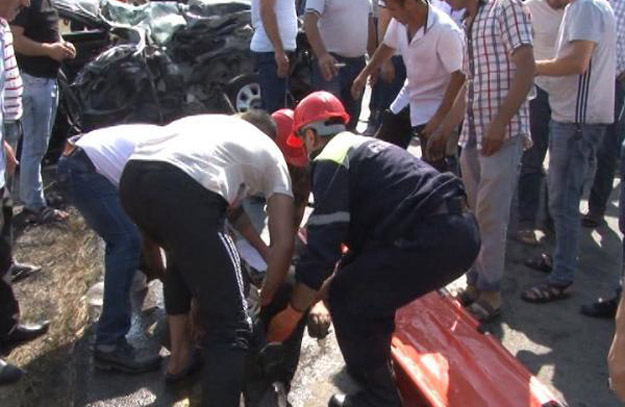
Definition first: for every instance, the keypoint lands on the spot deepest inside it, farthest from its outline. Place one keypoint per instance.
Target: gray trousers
(490, 183)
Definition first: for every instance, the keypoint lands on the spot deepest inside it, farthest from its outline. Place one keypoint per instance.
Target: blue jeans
(532, 171)
(340, 85)
(571, 148)
(272, 88)
(607, 154)
(40, 100)
(97, 199)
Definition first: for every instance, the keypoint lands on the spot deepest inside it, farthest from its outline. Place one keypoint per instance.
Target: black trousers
(396, 129)
(371, 285)
(9, 307)
(187, 220)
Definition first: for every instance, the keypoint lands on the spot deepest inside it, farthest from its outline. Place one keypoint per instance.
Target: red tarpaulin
(442, 360)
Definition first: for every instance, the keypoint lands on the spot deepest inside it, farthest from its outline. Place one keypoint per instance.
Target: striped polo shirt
(13, 87)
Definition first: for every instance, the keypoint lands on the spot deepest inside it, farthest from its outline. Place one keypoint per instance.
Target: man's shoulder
(444, 22)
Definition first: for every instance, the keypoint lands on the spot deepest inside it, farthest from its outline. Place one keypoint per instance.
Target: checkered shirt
(498, 29)
(619, 15)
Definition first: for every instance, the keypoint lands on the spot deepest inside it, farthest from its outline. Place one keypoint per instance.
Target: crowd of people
(487, 87)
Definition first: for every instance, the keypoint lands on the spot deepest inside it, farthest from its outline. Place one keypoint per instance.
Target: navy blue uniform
(405, 239)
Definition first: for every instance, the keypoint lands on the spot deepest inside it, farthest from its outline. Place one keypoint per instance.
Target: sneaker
(123, 358)
(9, 373)
(601, 308)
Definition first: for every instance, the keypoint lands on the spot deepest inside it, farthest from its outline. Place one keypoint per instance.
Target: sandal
(546, 292)
(45, 216)
(467, 296)
(195, 363)
(540, 263)
(527, 237)
(483, 311)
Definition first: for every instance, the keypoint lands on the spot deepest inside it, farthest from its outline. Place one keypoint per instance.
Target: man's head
(557, 4)
(317, 118)
(9, 9)
(261, 119)
(402, 10)
(294, 155)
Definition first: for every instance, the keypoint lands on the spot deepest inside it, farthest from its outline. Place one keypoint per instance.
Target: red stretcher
(442, 359)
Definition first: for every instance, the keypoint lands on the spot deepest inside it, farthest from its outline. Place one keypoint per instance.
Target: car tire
(244, 93)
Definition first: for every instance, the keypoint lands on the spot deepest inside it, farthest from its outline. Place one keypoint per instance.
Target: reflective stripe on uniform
(336, 217)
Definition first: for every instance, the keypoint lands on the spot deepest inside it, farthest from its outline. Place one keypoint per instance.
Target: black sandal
(483, 311)
(546, 292)
(541, 263)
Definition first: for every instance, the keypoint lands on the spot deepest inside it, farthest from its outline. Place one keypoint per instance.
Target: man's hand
(60, 51)
(282, 61)
(358, 86)
(388, 71)
(493, 139)
(282, 325)
(319, 321)
(432, 125)
(11, 159)
(327, 65)
(437, 146)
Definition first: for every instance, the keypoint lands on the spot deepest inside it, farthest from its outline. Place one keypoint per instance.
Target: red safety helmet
(294, 155)
(316, 107)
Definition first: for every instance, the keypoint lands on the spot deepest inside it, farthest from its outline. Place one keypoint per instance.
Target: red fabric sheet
(441, 360)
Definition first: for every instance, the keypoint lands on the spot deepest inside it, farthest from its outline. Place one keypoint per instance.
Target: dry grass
(71, 257)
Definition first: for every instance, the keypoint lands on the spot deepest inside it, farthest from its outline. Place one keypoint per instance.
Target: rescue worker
(408, 233)
(178, 188)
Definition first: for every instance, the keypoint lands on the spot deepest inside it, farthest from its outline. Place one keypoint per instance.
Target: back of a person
(388, 186)
(586, 98)
(220, 152)
(109, 148)
(287, 26)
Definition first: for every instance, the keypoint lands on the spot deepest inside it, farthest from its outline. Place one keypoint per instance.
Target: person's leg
(207, 261)
(570, 148)
(497, 180)
(607, 155)
(9, 307)
(365, 294)
(396, 128)
(273, 88)
(470, 168)
(40, 103)
(532, 171)
(97, 200)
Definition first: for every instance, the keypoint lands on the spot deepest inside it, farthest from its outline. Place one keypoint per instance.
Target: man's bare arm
(575, 62)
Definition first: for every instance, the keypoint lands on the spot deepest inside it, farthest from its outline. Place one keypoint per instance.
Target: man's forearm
(569, 65)
(270, 24)
(381, 55)
(245, 227)
(303, 297)
(453, 88)
(26, 46)
(521, 84)
(456, 113)
(313, 35)
(372, 39)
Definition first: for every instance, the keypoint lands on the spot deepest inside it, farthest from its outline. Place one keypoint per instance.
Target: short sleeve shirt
(343, 25)
(41, 24)
(430, 57)
(499, 28)
(225, 154)
(286, 17)
(584, 98)
(619, 14)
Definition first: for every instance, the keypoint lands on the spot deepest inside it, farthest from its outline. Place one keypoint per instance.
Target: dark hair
(262, 120)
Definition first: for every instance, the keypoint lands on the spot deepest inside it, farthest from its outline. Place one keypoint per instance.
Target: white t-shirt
(545, 24)
(586, 98)
(109, 148)
(430, 58)
(225, 154)
(286, 17)
(343, 25)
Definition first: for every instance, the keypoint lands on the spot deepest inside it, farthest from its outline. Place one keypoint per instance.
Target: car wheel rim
(248, 97)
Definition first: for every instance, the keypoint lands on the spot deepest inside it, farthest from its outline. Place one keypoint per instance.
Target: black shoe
(24, 333)
(20, 271)
(9, 373)
(124, 358)
(601, 308)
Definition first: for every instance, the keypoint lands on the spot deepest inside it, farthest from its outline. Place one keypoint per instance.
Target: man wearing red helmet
(399, 217)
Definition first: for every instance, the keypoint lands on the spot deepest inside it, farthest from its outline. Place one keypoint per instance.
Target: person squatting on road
(179, 188)
(401, 220)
